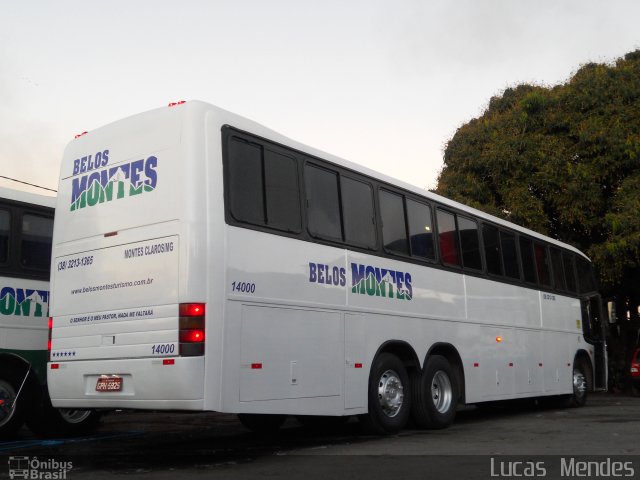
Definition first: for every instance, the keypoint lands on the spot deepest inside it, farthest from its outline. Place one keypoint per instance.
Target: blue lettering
(312, 273)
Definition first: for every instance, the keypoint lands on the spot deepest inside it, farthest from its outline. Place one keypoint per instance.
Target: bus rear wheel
(11, 411)
(48, 421)
(389, 396)
(435, 394)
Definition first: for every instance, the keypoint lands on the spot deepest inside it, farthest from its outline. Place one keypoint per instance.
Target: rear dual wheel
(435, 394)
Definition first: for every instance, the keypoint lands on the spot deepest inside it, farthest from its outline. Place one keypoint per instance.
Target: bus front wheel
(580, 386)
(435, 394)
(389, 396)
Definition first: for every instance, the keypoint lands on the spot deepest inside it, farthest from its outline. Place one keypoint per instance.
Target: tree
(564, 161)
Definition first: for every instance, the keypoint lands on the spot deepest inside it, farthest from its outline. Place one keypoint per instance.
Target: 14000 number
(243, 287)
(164, 349)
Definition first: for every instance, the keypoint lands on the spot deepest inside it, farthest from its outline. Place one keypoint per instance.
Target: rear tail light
(635, 369)
(192, 329)
(49, 337)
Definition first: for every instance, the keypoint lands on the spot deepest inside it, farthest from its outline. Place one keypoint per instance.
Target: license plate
(109, 384)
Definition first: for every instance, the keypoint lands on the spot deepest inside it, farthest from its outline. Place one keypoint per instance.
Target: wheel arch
(452, 355)
(403, 351)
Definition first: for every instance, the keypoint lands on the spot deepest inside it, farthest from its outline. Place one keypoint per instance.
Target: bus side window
(509, 255)
(357, 212)
(448, 238)
(586, 279)
(420, 230)
(245, 182)
(558, 270)
(528, 263)
(35, 244)
(282, 191)
(323, 207)
(469, 243)
(394, 232)
(5, 221)
(569, 272)
(542, 264)
(492, 249)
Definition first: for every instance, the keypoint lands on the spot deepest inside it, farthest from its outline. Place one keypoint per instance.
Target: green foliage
(564, 161)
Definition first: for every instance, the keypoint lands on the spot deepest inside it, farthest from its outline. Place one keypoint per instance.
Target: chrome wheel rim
(441, 392)
(390, 393)
(579, 383)
(7, 405)
(74, 416)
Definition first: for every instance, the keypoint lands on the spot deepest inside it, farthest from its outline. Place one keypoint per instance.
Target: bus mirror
(611, 310)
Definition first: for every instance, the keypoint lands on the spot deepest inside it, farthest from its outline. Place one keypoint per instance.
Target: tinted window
(558, 271)
(420, 230)
(35, 246)
(357, 212)
(586, 279)
(569, 273)
(469, 243)
(245, 182)
(5, 221)
(323, 209)
(528, 263)
(282, 191)
(509, 255)
(394, 233)
(492, 249)
(542, 264)
(448, 238)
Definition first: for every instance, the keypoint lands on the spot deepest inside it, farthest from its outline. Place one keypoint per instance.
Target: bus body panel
(292, 326)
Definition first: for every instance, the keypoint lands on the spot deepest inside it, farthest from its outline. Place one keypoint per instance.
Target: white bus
(26, 226)
(204, 262)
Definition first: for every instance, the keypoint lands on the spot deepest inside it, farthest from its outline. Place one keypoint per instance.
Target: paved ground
(483, 443)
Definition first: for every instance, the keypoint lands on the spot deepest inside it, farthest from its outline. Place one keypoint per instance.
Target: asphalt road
(508, 441)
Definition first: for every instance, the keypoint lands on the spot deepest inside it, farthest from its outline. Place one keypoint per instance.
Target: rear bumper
(147, 383)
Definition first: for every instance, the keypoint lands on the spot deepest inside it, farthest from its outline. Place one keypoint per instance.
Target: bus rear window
(35, 245)
(5, 220)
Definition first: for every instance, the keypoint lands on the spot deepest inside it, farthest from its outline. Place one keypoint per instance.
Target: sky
(381, 83)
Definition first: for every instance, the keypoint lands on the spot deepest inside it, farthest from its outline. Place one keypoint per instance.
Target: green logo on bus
(24, 302)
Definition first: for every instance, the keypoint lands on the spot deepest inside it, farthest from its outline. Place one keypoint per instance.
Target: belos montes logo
(95, 182)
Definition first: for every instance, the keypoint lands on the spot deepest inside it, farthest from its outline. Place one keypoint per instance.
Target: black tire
(262, 423)
(389, 396)
(11, 412)
(580, 385)
(48, 421)
(435, 394)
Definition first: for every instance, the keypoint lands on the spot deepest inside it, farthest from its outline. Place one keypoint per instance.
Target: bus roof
(199, 108)
(26, 197)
